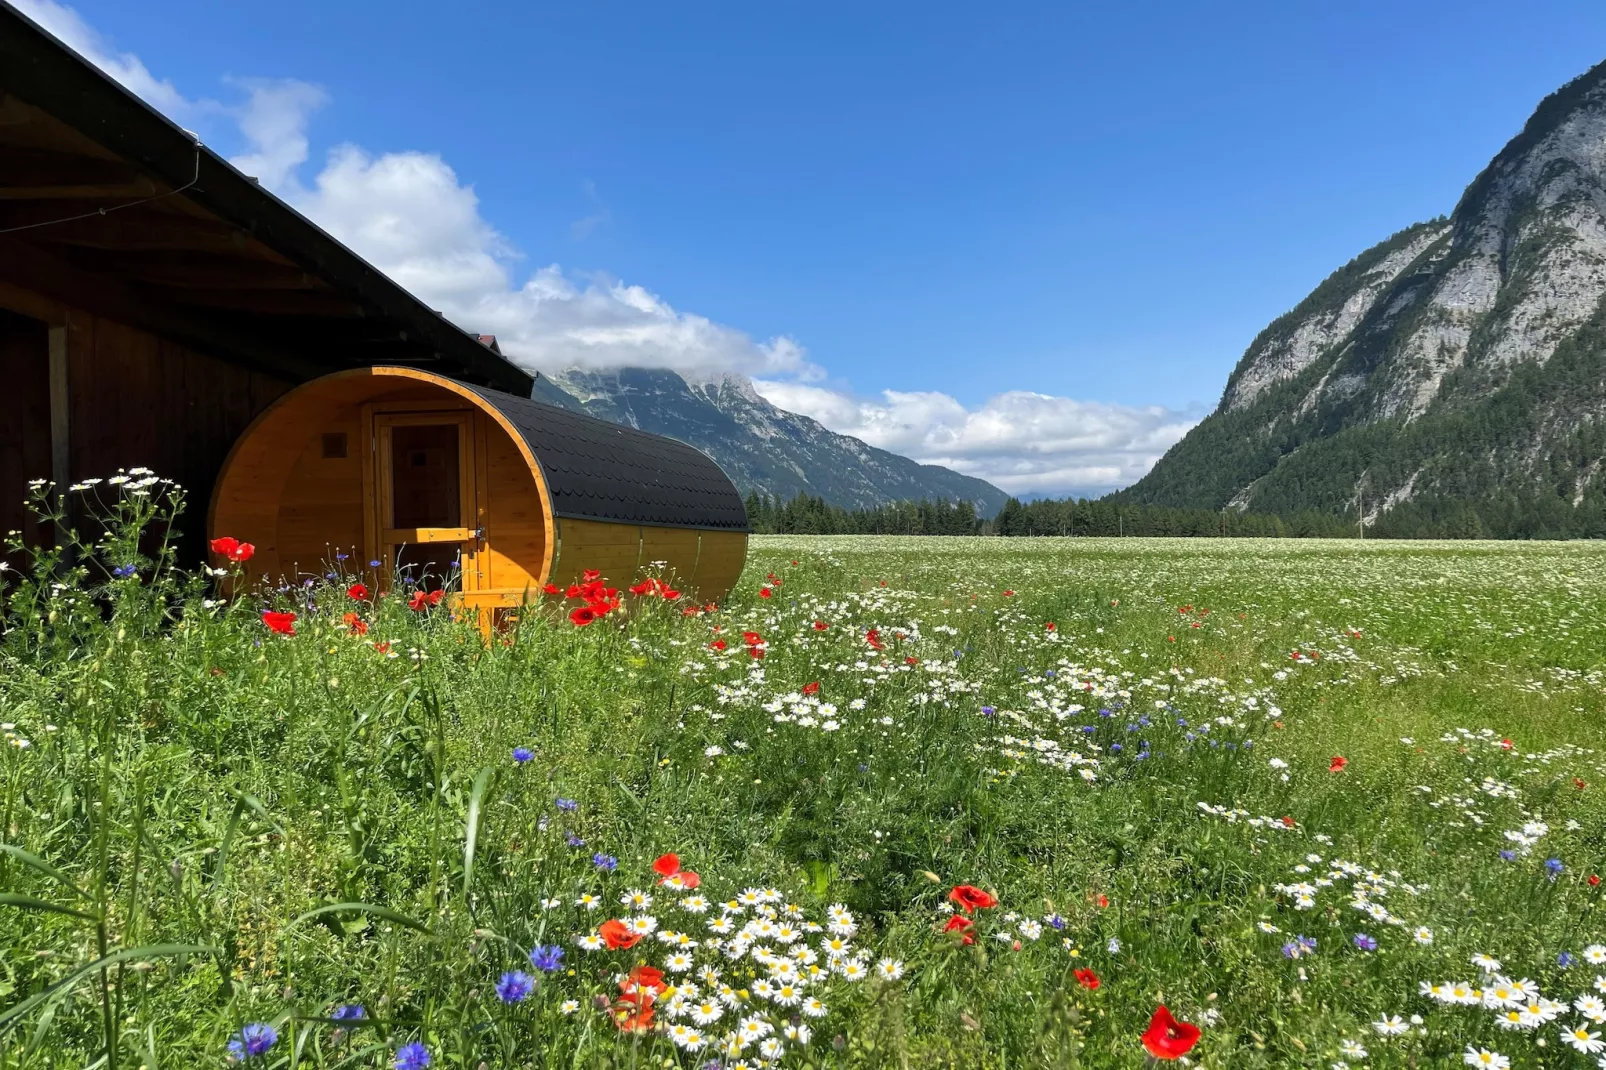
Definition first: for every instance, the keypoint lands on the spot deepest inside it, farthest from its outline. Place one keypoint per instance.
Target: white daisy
(1484, 1057)
(1390, 1025)
(1583, 1040)
(892, 970)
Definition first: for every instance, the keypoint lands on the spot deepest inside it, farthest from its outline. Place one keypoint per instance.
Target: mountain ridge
(1454, 373)
(763, 448)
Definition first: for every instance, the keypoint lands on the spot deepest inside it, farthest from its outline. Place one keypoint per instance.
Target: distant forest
(806, 515)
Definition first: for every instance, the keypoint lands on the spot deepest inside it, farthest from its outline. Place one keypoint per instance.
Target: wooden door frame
(378, 420)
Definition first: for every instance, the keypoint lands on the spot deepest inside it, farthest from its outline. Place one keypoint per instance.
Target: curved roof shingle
(597, 470)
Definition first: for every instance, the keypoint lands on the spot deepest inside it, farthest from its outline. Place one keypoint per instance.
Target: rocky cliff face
(1456, 366)
(762, 448)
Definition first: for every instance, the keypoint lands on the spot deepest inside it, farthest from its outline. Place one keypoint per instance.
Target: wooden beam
(189, 268)
(298, 303)
(139, 228)
(123, 191)
(26, 265)
(25, 167)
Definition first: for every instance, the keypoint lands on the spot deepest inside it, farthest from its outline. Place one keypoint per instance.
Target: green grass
(196, 794)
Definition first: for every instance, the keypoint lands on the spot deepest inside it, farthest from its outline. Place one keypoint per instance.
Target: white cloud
(410, 215)
(1022, 442)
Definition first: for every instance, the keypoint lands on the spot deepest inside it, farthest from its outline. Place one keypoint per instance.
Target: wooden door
(427, 528)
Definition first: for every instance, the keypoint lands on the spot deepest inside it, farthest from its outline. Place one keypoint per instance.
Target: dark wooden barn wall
(25, 427)
(141, 400)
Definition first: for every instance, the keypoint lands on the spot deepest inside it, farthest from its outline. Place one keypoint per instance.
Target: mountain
(762, 448)
(1451, 379)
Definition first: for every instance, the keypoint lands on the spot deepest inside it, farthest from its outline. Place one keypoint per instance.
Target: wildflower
(279, 623)
(1553, 867)
(412, 1056)
(348, 1012)
(1422, 935)
(1593, 880)
(233, 549)
(812, 688)
(253, 1040)
(1390, 1025)
(1595, 954)
(422, 600)
(569, 1006)
(1352, 1048)
(1484, 1057)
(1114, 946)
(123, 572)
(522, 754)
(354, 624)
(1581, 1039)
(820, 626)
(574, 841)
(357, 592)
(1365, 942)
(669, 872)
(1167, 1038)
(606, 863)
(1087, 979)
(873, 637)
(970, 898)
(580, 616)
(568, 806)
(515, 986)
(1337, 764)
(617, 935)
(889, 969)
(548, 958)
(1486, 963)
(962, 925)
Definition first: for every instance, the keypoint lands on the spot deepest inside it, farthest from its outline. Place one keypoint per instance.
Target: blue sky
(1100, 204)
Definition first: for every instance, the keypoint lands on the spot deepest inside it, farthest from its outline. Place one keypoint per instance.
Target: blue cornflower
(412, 1056)
(568, 806)
(1565, 960)
(1049, 673)
(1114, 946)
(122, 572)
(1365, 943)
(1056, 922)
(522, 754)
(1106, 713)
(988, 711)
(1143, 719)
(574, 841)
(548, 959)
(1087, 730)
(1553, 867)
(606, 863)
(342, 557)
(1299, 947)
(254, 1039)
(348, 1012)
(1182, 723)
(1115, 748)
(373, 564)
(1508, 856)
(515, 986)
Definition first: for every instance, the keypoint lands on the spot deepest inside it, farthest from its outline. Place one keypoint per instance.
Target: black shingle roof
(597, 470)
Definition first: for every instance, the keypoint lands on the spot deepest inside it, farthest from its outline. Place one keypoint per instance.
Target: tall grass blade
(38, 864)
(28, 902)
(363, 908)
(476, 798)
(11, 1016)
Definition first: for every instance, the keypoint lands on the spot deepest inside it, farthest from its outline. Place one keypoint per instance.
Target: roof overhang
(128, 215)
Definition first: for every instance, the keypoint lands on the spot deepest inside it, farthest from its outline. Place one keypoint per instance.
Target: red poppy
(1337, 764)
(356, 592)
(764, 592)
(580, 616)
(1184, 609)
(644, 587)
(666, 865)
(280, 623)
(233, 549)
(1506, 744)
(422, 600)
(968, 898)
(911, 661)
(355, 624)
(382, 648)
(669, 872)
(752, 638)
(1009, 594)
(1594, 880)
(590, 575)
(1102, 900)
(1288, 822)
(717, 644)
(647, 978)
(820, 625)
(1049, 626)
(873, 637)
(617, 935)
(756, 652)
(1168, 1038)
(962, 925)
(812, 689)
(553, 589)
(634, 1015)
(1087, 979)
(1579, 784)
(1170, 638)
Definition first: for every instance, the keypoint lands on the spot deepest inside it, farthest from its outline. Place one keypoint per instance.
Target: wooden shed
(467, 487)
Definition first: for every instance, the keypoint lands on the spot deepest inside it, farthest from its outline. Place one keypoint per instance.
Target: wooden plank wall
(141, 400)
(25, 429)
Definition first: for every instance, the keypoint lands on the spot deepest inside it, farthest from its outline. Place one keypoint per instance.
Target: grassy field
(1283, 789)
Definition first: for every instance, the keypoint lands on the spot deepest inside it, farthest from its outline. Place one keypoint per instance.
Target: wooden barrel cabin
(487, 493)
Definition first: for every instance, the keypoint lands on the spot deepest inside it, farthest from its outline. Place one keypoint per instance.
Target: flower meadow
(897, 802)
